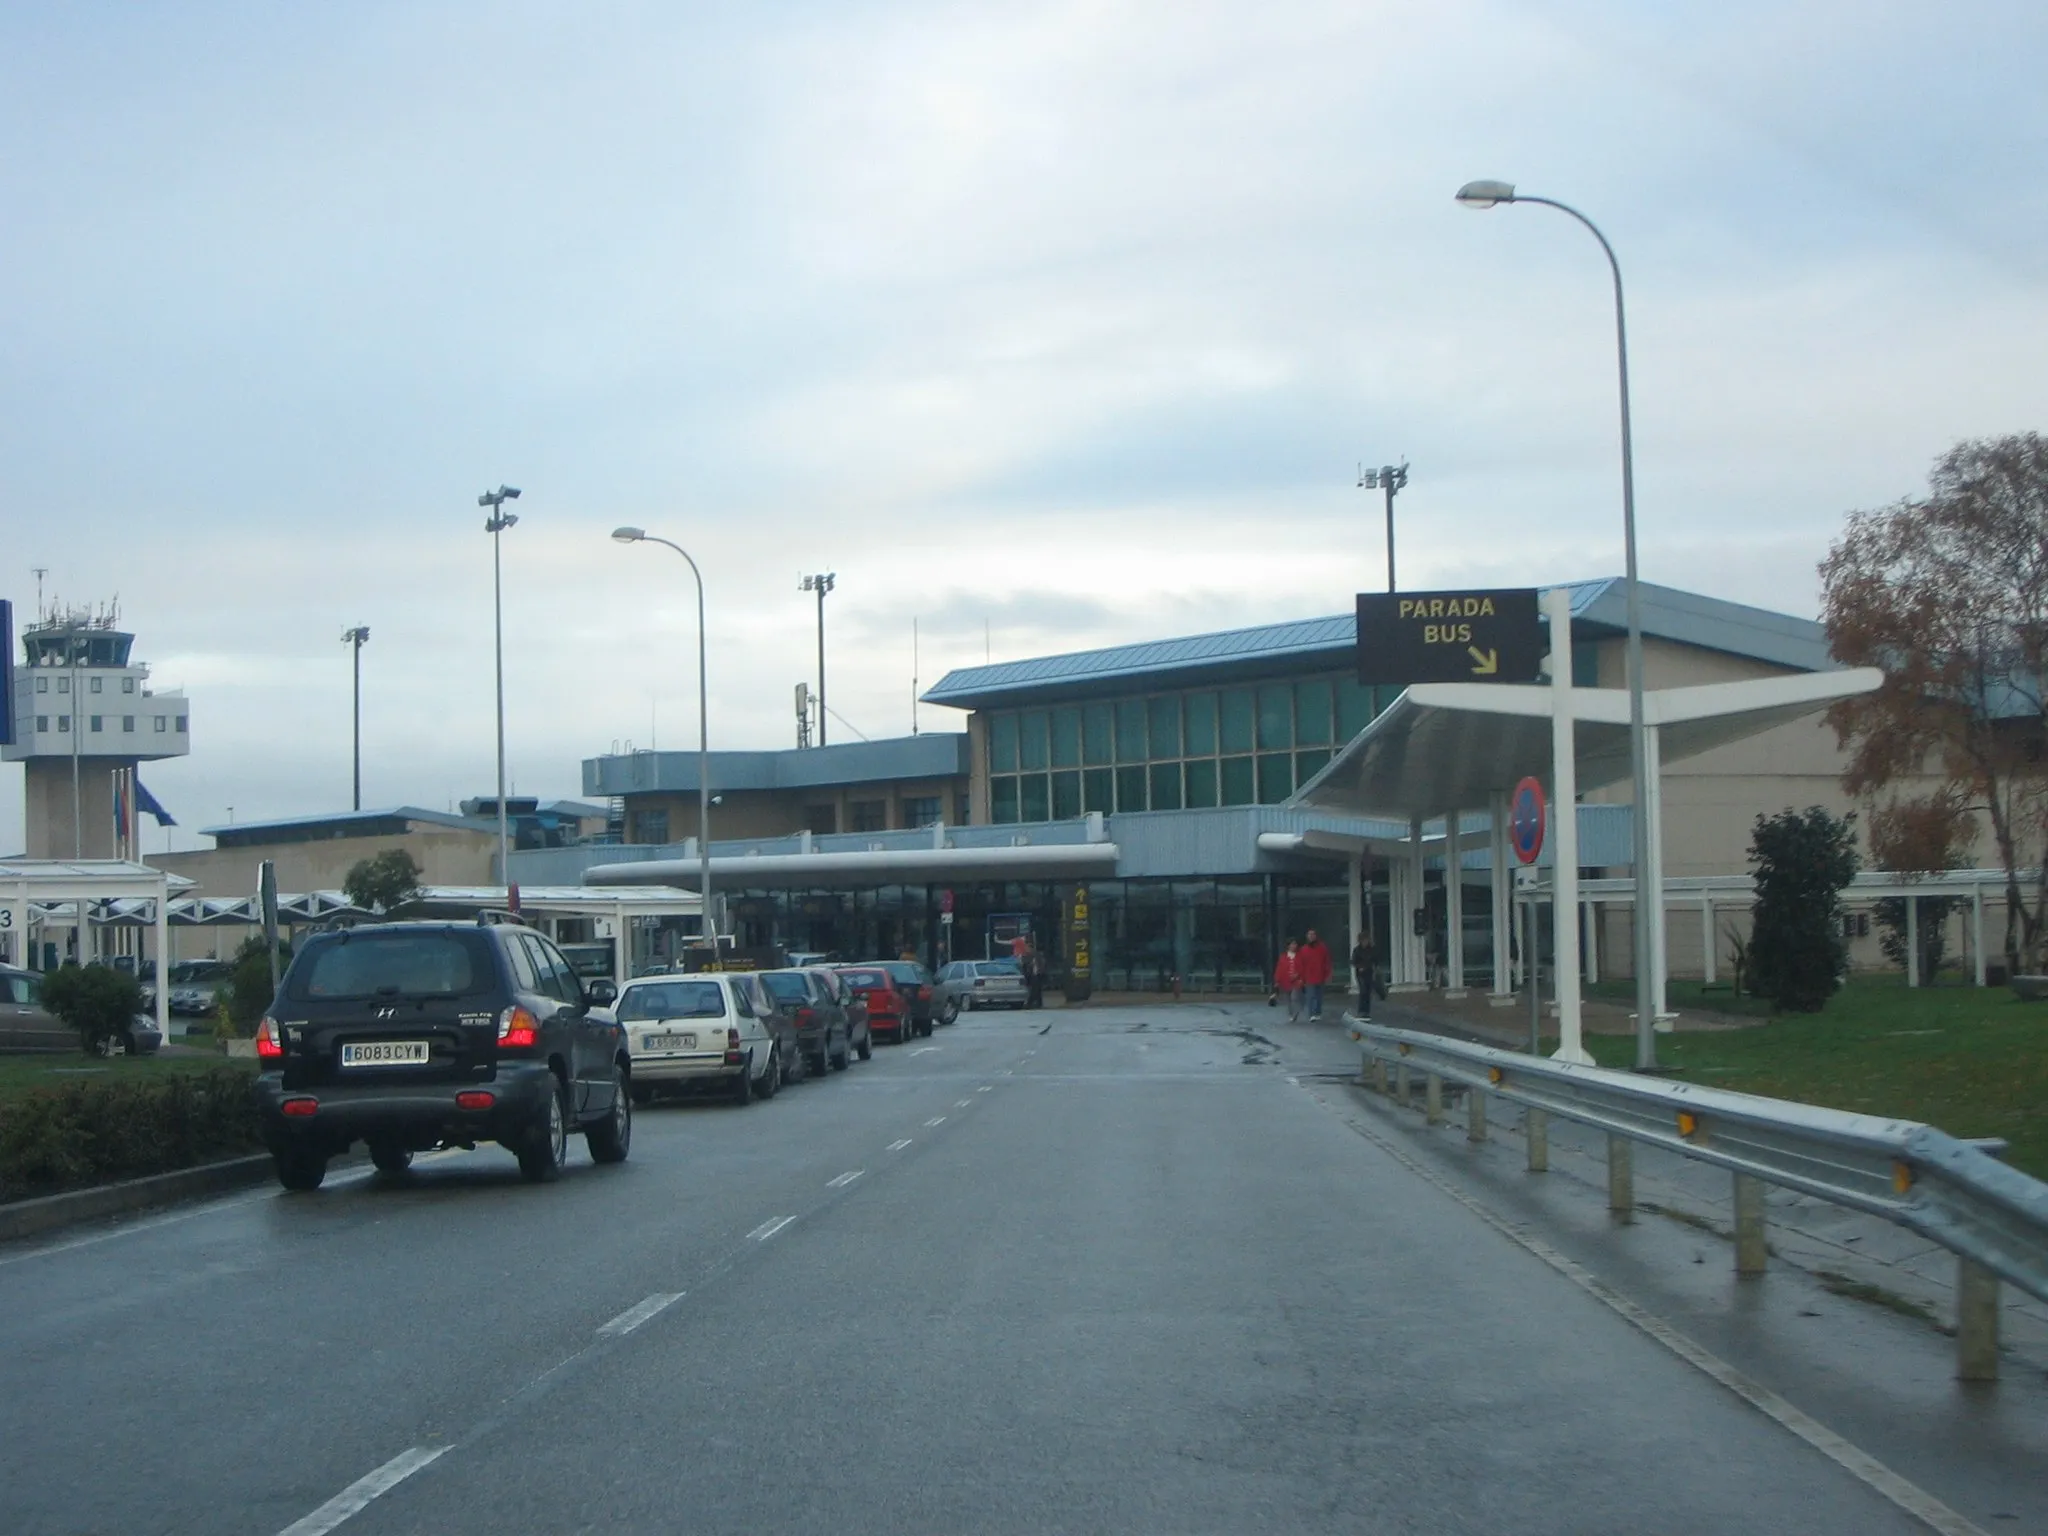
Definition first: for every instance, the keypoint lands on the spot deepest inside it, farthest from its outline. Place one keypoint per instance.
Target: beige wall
(446, 856)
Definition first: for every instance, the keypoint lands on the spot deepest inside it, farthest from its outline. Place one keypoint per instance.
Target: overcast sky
(1047, 326)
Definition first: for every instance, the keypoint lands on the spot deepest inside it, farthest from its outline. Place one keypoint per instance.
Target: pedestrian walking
(1034, 978)
(1364, 972)
(1287, 980)
(1313, 966)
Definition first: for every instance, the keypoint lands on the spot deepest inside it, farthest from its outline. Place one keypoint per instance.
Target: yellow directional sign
(1449, 637)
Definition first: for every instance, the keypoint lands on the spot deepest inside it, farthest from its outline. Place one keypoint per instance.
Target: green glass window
(1002, 743)
(1354, 707)
(1276, 716)
(1002, 799)
(1276, 778)
(1585, 664)
(1098, 790)
(1163, 714)
(1201, 782)
(1066, 738)
(1031, 740)
(1166, 786)
(1312, 712)
(1237, 721)
(1031, 798)
(1130, 789)
(1237, 780)
(1201, 725)
(1130, 731)
(1098, 730)
(1308, 764)
(1066, 796)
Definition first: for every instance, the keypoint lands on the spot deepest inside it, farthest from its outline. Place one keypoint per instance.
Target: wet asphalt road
(1133, 1274)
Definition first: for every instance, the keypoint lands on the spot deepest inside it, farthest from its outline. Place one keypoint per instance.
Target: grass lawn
(1972, 1061)
(20, 1074)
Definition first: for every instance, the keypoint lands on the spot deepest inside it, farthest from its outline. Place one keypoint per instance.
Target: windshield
(405, 964)
(199, 970)
(786, 986)
(673, 1000)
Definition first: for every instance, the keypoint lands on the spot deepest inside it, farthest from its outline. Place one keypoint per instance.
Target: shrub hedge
(85, 1131)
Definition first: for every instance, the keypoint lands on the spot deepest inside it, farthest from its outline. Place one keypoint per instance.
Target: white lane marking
(936, 1120)
(352, 1499)
(986, 1088)
(922, 1049)
(844, 1179)
(962, 1103)
(1006, 1072)
(639, 1313)
(898, 1146)
(1858, 1463)
(768, 1229)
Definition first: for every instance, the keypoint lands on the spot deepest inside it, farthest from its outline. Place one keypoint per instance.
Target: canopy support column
(1564, 769)
(1503, 907)
(1454, 905)
(163, 963)
(1660, 965)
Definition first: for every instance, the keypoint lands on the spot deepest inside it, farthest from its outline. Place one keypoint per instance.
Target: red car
(891, 1015)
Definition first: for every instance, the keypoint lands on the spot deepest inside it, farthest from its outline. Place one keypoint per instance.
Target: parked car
(915, 983)
(714, 1031)
(889, 1010)
(972, 984)
(25, 1024)
(858, 1035)
(814, 1006)
(410, 1036)
(195, 985)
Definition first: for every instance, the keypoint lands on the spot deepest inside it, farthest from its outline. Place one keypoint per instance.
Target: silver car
(966, 985)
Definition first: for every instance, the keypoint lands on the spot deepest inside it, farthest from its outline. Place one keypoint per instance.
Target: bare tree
(1948, 594)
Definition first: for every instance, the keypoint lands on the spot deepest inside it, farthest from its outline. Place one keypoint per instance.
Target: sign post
(1449, 637)
(1526, 817)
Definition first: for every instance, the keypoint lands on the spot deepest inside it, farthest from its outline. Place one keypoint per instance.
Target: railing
(1993, 1218)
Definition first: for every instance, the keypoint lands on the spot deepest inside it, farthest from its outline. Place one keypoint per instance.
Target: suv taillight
(517, 1029)
(269, 1040)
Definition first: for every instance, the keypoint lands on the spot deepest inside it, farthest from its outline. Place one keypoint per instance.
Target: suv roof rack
(491, 917)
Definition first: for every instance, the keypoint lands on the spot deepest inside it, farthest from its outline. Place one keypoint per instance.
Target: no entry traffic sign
(1449, 637)
(1528, 818)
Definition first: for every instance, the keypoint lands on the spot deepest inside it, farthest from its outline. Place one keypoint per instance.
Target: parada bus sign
(1449, 637)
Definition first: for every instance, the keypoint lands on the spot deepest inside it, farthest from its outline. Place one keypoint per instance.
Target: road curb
(47, 1213)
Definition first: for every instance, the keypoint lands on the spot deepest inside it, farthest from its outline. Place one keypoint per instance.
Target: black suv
(409, 1036)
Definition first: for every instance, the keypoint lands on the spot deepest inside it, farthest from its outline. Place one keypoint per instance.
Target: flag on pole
(146, 803)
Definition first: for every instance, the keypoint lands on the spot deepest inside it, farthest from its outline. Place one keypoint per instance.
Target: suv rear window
(404, 964)
(786, 986)
(673, 1000)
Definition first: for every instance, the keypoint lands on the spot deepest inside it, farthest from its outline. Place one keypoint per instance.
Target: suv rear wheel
(611, 1138)
(546, 1147)
(301, 1168)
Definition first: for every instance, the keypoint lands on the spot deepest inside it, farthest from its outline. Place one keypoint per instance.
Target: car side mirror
(600, 993)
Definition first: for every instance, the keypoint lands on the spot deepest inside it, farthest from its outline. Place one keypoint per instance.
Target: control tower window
(127, 685)
(181, 722)
(63, 685)
(63, 723)
(127, 722)
(163, 723)
(42, 722)
(97, 721)
(42, 685)
(96, 685)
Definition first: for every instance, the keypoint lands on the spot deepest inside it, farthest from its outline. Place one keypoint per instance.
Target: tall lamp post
(355, 638)
(495, 524)
(820, 585)
(1649, 904)
(710, 932)
(1393, 479)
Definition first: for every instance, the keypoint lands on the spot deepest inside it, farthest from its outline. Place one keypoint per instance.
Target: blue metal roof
(387, 822)
(1282, 649)
(934, 755)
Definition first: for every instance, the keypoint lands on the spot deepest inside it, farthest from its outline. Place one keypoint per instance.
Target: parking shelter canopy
(1443, 747)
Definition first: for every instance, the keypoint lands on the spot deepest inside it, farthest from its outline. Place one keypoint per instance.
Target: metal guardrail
(1992, 1217)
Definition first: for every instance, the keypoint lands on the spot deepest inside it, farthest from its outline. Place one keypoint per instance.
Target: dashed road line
(639, 1313)
(357, 1495)
(936, 1120)
(898, 1146)
(768, 1229)
(988, 1087)
(962, 1103)
(845, 1178)
(922, 1049)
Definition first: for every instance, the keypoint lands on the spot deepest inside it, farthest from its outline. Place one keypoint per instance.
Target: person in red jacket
(1312, 972)
(1287, 980)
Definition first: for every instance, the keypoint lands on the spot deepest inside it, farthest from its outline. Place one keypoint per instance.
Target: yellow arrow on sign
(1484, 663)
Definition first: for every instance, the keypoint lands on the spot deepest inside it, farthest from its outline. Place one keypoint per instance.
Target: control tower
(84, 716)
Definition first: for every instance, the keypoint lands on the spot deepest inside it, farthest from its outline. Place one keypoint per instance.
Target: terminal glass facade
(1252, 744)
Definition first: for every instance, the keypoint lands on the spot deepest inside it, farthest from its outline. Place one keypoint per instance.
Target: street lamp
(1393, 478)
(1649, 904)
(704, 795)
(355, 637)
(820, 585)
(495, 524)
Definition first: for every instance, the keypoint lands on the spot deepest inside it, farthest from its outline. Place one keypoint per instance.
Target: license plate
(671, 1042)
(385, 1053)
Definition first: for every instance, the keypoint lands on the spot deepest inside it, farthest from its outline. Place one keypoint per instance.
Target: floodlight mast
(821, 585)
(1393, 478)
(495, 524)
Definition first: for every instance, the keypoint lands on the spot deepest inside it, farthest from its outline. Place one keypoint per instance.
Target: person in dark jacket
(1312, 970)
(1363, 964)
(1034, 976)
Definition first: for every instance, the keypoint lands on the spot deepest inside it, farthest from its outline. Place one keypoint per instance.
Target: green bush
(1801, 860)
(96, 1000)
(248, 989)
(95, 1131)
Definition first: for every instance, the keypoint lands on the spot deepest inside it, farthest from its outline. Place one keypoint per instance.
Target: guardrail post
(1752, 1251)
(1401, 1083)
(1976, 1322)
(1433, 1098)
(1475, 1114)
(1379, 1075)
(1621, 1179)
(1536, 1128)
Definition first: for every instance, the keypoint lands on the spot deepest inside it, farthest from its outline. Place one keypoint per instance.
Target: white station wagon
(709, 1031)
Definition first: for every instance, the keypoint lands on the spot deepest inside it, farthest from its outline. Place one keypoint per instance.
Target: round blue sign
(1527, 818)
